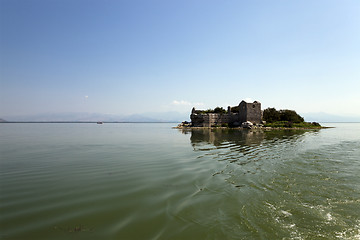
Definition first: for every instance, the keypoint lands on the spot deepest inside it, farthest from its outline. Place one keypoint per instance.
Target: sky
(133, 56)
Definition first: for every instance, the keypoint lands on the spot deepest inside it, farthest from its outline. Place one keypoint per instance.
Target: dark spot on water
(74, 229)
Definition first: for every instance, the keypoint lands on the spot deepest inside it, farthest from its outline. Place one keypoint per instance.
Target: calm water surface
(149, 181)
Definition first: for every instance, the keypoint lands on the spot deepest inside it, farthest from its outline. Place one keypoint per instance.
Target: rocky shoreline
(252, 128)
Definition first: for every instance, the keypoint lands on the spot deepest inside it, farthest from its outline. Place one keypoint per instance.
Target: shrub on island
(220, 110)
(271, 115)
(286, 119)
(285, 124)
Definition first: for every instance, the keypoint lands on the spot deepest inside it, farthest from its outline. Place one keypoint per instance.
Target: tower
(250, 112)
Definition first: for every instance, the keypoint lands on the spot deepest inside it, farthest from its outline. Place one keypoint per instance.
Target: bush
(220, 110)
(291, 116)
(235, 109)
(287, 124)
(271, 115)
(208, 111)
(316, 124)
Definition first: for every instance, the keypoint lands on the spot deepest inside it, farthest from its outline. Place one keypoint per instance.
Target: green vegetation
(273, 118)
(286, 119)
(271, 115)
(235, 109)
(286, 124)
(220, 110)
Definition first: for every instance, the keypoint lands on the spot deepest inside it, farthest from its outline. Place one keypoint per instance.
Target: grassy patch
(286, 124)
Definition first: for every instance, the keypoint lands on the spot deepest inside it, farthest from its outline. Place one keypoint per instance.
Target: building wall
(247, 112)
(242, 112)
(211, 119)
(250, 112)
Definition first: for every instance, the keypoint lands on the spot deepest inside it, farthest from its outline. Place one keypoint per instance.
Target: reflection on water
(240, 136)
(242, 142)
(221, 136)
(247, 151)
(290, 184)
(149, 181)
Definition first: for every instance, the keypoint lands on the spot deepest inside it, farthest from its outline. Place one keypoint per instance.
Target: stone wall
(211, 119)
(250, 112)
(247, 112)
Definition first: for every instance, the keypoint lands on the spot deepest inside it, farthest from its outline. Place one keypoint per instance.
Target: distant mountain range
(94, 117)
(325, 117)
(150, 117)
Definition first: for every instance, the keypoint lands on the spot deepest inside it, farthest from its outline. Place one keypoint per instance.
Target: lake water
(149, 181)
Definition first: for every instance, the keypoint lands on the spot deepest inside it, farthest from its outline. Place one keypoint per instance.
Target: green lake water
(149, 181)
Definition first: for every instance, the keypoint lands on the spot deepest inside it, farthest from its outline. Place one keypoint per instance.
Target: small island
(247, 115)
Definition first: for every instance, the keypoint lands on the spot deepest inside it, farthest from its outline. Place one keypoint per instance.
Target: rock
(247, 124)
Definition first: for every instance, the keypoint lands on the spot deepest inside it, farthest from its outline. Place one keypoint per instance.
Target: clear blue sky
(124, 57)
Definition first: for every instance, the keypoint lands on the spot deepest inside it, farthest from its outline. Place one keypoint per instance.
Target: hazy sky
(124, 57)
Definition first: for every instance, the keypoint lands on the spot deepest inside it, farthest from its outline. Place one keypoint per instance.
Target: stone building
(250, 112)
(246, 112)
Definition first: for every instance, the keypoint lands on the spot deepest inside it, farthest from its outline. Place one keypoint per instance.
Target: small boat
(99, 122)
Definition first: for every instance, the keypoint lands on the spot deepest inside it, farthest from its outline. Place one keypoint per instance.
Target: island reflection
(242, 153)
(242, 137)
(243, 146)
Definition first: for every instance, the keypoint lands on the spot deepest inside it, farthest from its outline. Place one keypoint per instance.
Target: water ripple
(111, 182)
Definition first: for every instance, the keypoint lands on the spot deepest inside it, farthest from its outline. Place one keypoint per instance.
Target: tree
(271, 115)
(235, 109)
(219, 110)
(290, 116)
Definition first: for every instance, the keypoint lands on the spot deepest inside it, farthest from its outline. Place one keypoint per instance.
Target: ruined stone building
(246, 112)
